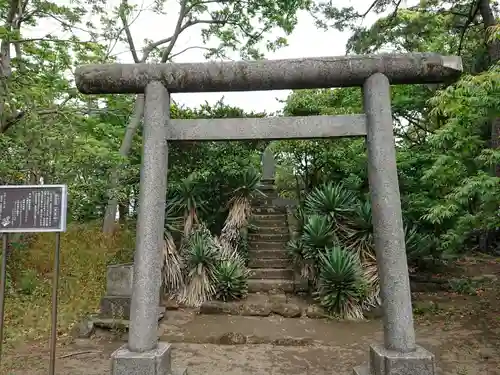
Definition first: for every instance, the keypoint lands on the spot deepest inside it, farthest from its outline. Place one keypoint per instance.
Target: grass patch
(85, 253)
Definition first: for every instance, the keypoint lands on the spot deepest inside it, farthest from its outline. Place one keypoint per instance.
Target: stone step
(269, 216)
(269, 223)
(267, 245)
(262, 285)
(264, 229)
(272, 237)
(267, 254)
(265, 210)
(268, 201)
(268, 263)
(271, 273)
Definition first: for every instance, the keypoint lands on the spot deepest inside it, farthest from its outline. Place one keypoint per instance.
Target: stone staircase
(270, 268)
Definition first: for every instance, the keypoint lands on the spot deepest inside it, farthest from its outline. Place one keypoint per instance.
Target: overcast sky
(305, 41)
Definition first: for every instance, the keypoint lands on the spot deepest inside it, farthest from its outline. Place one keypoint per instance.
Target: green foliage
(341, 285)
(200, 259)
(232, 283)
(331, 201)
(318, 232)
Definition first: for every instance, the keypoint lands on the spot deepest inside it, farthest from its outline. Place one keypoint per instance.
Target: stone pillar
(399, 355)
(268, 165)
(143, 354)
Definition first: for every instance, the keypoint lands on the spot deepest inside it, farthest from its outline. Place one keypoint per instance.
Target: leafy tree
(235, 25)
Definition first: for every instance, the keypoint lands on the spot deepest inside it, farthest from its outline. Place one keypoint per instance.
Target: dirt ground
(462, 330)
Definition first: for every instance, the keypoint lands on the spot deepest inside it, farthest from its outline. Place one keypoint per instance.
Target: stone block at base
(389, 362)
(117, 307)
(154, 362)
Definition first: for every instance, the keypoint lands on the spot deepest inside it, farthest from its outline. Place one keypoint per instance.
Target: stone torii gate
(399, 354)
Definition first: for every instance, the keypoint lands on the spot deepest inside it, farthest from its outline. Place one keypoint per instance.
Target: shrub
(231, 280)
(341, 285)
(200, 257)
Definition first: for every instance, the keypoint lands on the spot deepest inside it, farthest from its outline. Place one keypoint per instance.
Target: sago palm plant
(331, 200)
(231, 280)
(359, 230)
(240, 207)
(187, 199)
(318, 232)
(359, 238)
(341, 286)
(300, 260)
(317, 236)
(200, 257)
(172, 263)
(419, 247)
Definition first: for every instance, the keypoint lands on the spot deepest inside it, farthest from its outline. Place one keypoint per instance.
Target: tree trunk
(110, 214)
(123, 211)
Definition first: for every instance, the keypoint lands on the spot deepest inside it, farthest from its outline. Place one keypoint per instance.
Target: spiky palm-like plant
(200, 257)
(341, 286)
(419, 246)
(187, 199)
(359, 230)
(359, 238)
(317, 236)
(318, 232)
(172, 262)
(240, 207)
(331, 200)
(240, 202)
(298, 257)
(231, 280)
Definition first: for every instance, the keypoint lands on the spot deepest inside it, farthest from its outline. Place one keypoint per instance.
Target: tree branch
(178, 30)
(6, 125)
(474, 9)
(126, 28)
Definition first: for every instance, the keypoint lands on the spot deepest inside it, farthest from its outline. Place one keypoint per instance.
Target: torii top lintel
(306, 73)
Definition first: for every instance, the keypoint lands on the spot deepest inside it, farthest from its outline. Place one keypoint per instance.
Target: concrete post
(399, 333)
(150, 221)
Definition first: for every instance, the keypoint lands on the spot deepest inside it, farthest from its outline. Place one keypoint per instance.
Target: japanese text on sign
(39, 208)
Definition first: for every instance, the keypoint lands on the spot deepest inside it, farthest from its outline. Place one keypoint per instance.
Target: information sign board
(33, 208)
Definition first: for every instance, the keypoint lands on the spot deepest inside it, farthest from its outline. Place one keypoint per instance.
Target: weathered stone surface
(277, 297)
(485, 278)
(389, 362)
(264, 285)
(239, 129)
(317, 72)
(487, 353)
(267, 245)
(84, 329)
(268, 164)
(231, 338)
(284, 202)
(269, 263)
(287, 310)
(271, 237)
(117, 307)
(283, 230)
(387, 219)
(152, 362)
(170, 304)
(220, 308)
(373, 313)
(292, 341)
(261, 309)
(268, 253)
(316, 312)
(270, 273)
(119, 279)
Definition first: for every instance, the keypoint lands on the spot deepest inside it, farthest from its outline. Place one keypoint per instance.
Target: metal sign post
(33, 209)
